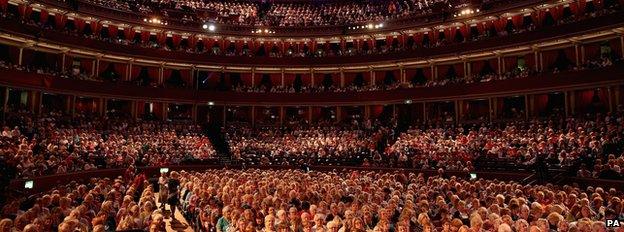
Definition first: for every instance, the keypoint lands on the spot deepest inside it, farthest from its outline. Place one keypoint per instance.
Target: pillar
(253, 76)
(577, 54)
(312, 77)
(281, 115)
(63, 56)
(616, 95)
(367, 112)
(224, 115)
(572, 101)
(161, 71)
(338, 113)
(96, 70)
(128, 76)
(526, 106)
(194, 112)
(610, 94)
(310, 114)
(566, 103)
(5, 104)
(466, 69)
(165, 112)
(529, 103)
(541, 61)
(501, 64)
(342, 77)
(133, 109)
(403, 74)
(492, 104)
(537, 60)
(582, 54)
(94, 67)
(21, 56)
(102, 106)
(372, 74)
(457, 110)
(434, 72)
(283, 81)
(622, 45)
(424, 104)
(394, 111)
(253, 115)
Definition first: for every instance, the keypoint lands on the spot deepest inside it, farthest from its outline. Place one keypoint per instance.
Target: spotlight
(205, 26)
(381, 25)
(211, 28)
(211, 103)
(370, 26)
(408, 101)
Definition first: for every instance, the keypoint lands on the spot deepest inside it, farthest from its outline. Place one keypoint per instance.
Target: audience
(290, 200)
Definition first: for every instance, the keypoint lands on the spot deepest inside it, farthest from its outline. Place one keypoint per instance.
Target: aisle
(180, 225)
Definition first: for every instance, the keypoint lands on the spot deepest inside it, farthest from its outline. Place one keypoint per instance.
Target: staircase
(220, 144)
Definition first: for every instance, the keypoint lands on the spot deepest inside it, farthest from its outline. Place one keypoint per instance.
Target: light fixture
(211, 103)
(211, 28)
(205, 26)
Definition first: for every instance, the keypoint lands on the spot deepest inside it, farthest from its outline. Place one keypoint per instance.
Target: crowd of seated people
(119, 204)
(306, 52)
(593, 144)
(291, 200)
(56, 143)
(322, 143)
(284, 14)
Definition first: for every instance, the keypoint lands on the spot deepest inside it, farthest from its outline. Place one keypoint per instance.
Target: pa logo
(612, 223)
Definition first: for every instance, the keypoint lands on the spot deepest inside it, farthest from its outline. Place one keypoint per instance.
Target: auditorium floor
(180, 225)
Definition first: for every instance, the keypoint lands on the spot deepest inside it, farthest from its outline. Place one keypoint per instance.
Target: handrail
(601, 23)
(543, 83)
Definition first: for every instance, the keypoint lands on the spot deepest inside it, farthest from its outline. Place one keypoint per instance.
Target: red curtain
(289, 79)
(541, 102)
(246, 79)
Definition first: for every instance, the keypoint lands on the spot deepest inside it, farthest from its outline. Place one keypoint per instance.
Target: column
(128, 76)
(72, 105)
(312, 76)
(338, 113)
(342, 77)
(21, 56)
(194, 112)
(224, 115)
(403, 74)
(63, 56)
(610, 94)
(566, 103)
(492, 104)
(161, 71)
(253, 115)
(281, 116)
(394, 111)
(253, 76)
(457, 110)
(434, 72)
(424, 104)
(283, 82)
(466, 69)
(133, 109)
(536, 56)
(582, 54)
(572, 101)
(577, 54)
(372, 74)
(5, 104)
(622, 44)
(103, 106)
(367, 112)
(93, 66)
(310, 114)
(96, 70)
(541, 61)
(501, 64)
(531, 108)
(616, 95)
(526, 106)
(165, 111)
